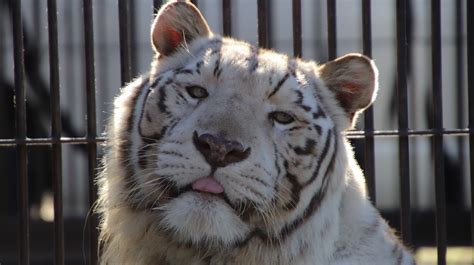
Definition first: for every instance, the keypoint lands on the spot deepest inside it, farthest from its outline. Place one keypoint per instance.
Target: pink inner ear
(351, 87)
(174, 37)
(348, 95)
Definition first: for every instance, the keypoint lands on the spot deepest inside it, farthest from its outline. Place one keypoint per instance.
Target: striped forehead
(244, 58)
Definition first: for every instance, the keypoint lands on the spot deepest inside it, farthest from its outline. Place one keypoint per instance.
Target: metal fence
(21, 143)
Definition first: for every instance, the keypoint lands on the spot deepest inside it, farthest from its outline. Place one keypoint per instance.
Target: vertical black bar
(438, 127)
(369, 167)
(470, 91)
(124, 26)
(262, 21)
(91, 124)
(403, 144)
(133, 36)
(297, 45)
(2, 33)
(20, 120)
(332, 29)
(226, 17)
(56, 133)
(156, 5)
(460, 94)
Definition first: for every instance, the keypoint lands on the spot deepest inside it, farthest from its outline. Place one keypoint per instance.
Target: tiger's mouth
(208, 188)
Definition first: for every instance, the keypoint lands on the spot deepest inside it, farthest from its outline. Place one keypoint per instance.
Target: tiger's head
(226, 141)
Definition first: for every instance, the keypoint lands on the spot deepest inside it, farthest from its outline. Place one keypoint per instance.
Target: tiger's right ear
(176, 24)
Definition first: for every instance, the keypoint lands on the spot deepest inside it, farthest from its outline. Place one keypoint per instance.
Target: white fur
(271, 213)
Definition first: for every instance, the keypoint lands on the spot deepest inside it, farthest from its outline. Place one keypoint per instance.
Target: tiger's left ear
(177, 23)
(353, 78)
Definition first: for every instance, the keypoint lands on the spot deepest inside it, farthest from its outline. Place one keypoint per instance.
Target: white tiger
(230, 154)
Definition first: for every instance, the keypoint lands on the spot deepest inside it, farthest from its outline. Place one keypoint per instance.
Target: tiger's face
(233, 140)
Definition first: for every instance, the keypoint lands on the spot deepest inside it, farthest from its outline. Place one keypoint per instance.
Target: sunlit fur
(299, 198)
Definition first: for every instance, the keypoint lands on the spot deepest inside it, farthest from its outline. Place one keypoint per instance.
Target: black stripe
(278, 86)
(317, 128)
(162, 98)
(155, 83)
(396, 253)
(292, 66)
(294, 128)
(333, 158)
(253, 59)
(299, 94)
(322, 157)
(319, 114)
(277, 166)
(198, 66)
(400, 256)
(218, 75)
(148, 117)
(217, 64)
(305, 108)
(295, 192)
(142, 151)
(180, 71)
(312, 208)
(315, 202)
(143, 113)
(256, 179)
(174, 153)
(168, 81)
(125, 144)
(173, 123)
(181, 96)
(308, 148)
(148, 140)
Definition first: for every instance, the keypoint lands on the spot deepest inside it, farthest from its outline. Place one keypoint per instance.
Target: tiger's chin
(202, 220)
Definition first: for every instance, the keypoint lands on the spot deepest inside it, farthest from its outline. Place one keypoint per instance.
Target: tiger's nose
(218, 151)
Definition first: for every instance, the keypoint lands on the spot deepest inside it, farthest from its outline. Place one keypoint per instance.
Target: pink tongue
(208, 184)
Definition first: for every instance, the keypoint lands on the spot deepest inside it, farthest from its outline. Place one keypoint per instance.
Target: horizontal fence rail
(349, 134)
(264, 25)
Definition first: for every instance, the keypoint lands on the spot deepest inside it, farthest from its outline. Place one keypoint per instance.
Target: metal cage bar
(262, 21)
(297, 45)
(91, 124)
(226, 17)
(438, 126)
(349, 134)
(124, 27)
(369, 155)
(403, 145)
(470, 84)
(20, 134)
(332, 29)
(156, 5)
(56, 133)
(459, 83)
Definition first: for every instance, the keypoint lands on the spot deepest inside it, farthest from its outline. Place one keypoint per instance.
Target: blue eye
(197, 92)
(281, 117)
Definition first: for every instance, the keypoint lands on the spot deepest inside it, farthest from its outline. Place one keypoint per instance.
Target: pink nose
(208, 184)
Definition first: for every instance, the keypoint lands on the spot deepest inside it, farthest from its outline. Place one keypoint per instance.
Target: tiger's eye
(281, 117)
(197, 92)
